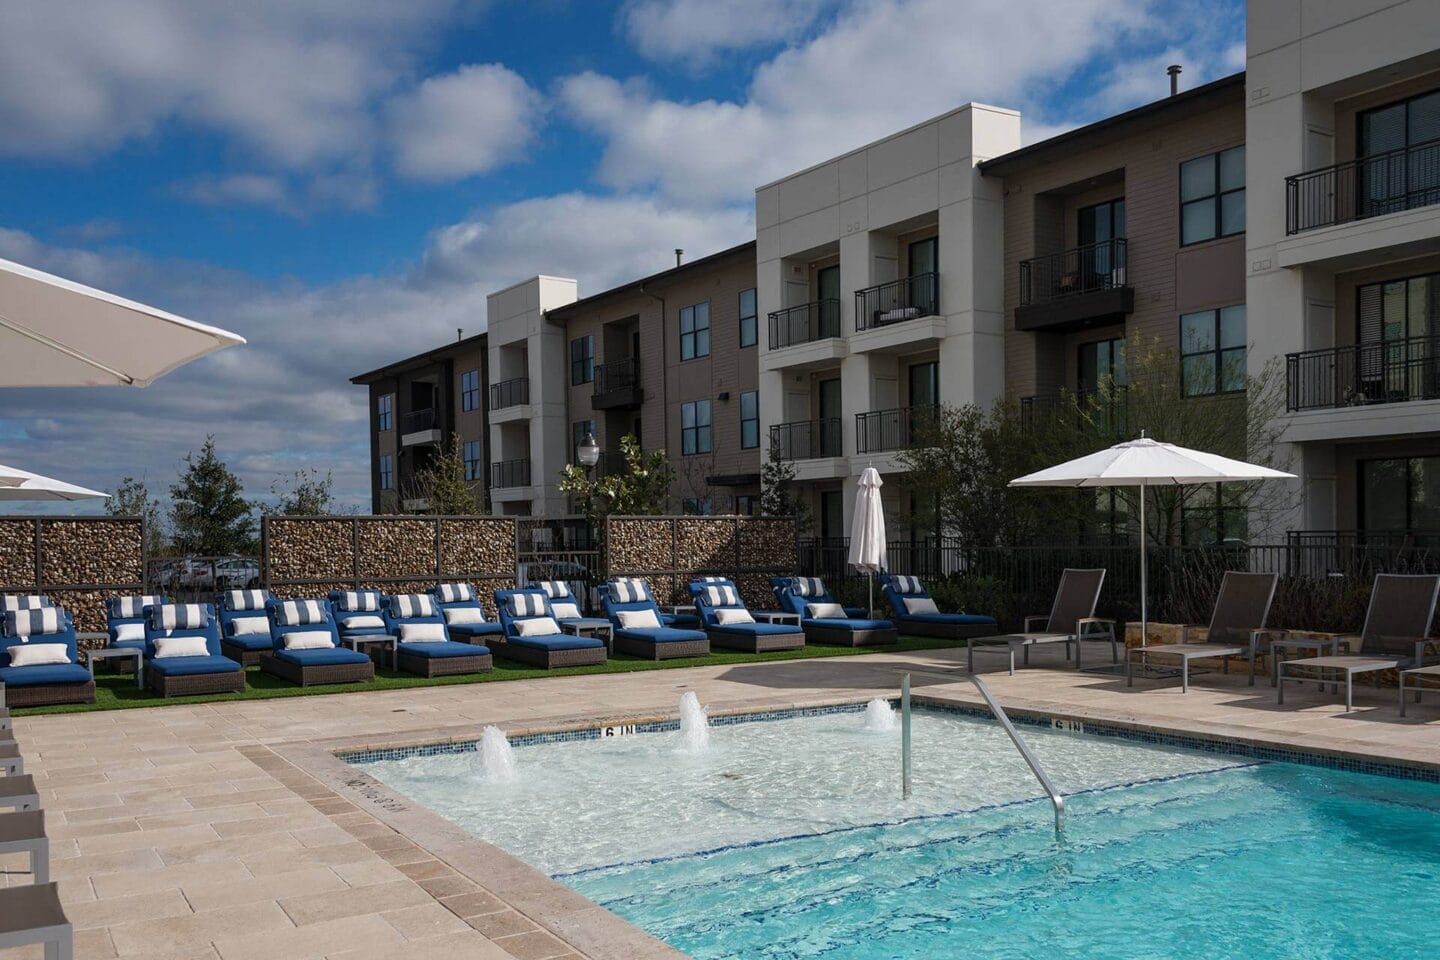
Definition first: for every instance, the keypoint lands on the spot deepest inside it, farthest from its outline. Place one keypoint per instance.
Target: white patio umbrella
(867, 530)
(58, 333)
(16, 484)
(1147, 463)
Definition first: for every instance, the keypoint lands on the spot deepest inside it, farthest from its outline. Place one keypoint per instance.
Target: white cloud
(294, 196)
(696, 31)
(464, 123)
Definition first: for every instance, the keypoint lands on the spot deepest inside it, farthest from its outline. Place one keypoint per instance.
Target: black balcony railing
(804, 323)
(1386, 182)
(510, 473)
(417, 421)
(899, 429)
(806, 439)
(509, 393)
(621, 374)
(1088, 269)
(1366, 539)
(897, 301)
(1107, 411)
(1392, 371)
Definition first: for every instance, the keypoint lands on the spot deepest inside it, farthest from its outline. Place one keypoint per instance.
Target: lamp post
(588, 451)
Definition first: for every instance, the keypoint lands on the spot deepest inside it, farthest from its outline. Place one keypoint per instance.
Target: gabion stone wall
(310, 556)
(670, 551)
(76, 561)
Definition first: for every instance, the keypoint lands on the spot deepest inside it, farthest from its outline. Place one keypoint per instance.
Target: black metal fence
(510, 473)
(899, 429)
(623, 374)
(509, 393)
(417, 420)
(806, 439)
(1365, 187)
(1391, 371)
(1087, 269)
(897, 301)
(804, 323)
(561, 548)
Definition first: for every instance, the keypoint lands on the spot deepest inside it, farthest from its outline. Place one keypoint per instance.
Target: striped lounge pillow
(455, 592)
(722, 596)
(179, 616)
(629, 590)
(408, 606)
(131, 607)
(35, 621)
(906, 584)
(246, 599)
(527, 605)
(294, 613)
(358, 601)
(808, 586)
(554, 589)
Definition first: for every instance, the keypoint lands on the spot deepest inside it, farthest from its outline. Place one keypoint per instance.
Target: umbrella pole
(870, 611)
(1144, 589)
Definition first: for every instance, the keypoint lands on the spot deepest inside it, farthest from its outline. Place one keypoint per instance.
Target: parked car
(237, 573)
(195, 574)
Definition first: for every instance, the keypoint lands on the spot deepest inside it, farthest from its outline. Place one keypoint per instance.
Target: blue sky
(342, 181)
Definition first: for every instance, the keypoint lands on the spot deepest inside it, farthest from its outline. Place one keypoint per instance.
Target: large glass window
(472, 460)
(1099, 360)
(749, 419)
(385, 412)
(698, 506)
(1400, 494)
(470, 390)
(695, 427)
(1212, 351)
(748, 320)
(746, 504)
(1213, 513)
(827, 291)
(695, 331)
(582, 359)
(1397, 323)
(387, 472)
(1403, 141)
(1212, 196)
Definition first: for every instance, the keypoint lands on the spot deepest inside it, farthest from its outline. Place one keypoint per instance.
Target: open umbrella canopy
(1147, 462)
(18, 484)
(57, 333)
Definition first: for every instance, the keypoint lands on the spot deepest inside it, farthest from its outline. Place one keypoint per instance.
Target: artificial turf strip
(117, 691)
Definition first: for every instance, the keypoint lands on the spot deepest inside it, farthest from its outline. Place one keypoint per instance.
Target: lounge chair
(682, 621)
(779, 585)
(825, 621)
(1236, 625)
(639, 629)
(1395, 637)
(1070, 615)
(182, 653)
(125, 620)
(305, 646)
(357, 613)
(532, 634)
(23, 601)
(915, 613)
(728, 622)
(562, 599)
(244, 625)
(32, 915)
(424, 646)
(464, 615)
(40, 659)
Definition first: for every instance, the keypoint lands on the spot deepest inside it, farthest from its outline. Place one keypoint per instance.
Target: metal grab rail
(1056, 801)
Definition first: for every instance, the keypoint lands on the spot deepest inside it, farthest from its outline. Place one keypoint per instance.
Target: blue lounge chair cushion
(363, 632)
(44, 673)
(322, 657)
(557, 641)
(969, 619)
(755, 629)
(477, 629)
(855, 612)
(138, 645)
(190, 666)
(251, 641)
(851, 623)
(441, 649)
(684, 621)
(661, 635)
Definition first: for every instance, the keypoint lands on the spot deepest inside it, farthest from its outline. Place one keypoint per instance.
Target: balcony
(1395, 371)
(807, 439)
(1389, 182)
(510, 393)
(899, 429)
(617, 385)
(420, 427)
(805, 323)
(1106, 412)
(510, 473)
(1075, 289)
(897, 301)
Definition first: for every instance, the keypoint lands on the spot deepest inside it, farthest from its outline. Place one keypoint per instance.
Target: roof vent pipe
(679, 256)
(1174, 71)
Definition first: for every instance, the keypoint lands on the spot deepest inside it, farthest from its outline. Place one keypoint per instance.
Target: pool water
(787, 839)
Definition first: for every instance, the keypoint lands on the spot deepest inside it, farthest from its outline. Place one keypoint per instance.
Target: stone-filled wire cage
(310, 556)
(76, 561)
(671, 551)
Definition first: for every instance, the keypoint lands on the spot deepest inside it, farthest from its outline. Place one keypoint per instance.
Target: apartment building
(1343, 254)
(417, 407)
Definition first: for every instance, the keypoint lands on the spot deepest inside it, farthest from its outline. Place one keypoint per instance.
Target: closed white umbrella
(16, 484)
(58, 333)
(1145, 463)
(867, 530)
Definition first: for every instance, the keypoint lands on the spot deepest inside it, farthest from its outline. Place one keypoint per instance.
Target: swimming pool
(787, 839)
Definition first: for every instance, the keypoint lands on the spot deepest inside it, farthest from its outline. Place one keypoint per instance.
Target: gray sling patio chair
(1236, 625)
(1071, 620)
(1395, 636)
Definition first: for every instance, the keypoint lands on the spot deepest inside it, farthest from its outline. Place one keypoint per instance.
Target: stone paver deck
(194, 831)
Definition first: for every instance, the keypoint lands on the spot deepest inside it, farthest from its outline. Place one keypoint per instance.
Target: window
(1396, 325)
(472, 460)
(747, 504)
(1099, 360)
(1212, 351)
(578, 429)
(1213, 513)
(1400, 494)
(582, 359)
(1400, 137)
(748, 326)
(385, 412)
(749, 419)
(1212, 196)
(470, 390)
(695, 331)
(695, 427)
(698, 506)
(387, 472)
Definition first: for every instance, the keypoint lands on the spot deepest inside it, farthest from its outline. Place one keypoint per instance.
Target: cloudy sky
(342, 181)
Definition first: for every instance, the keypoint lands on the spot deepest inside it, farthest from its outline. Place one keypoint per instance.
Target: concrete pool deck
(228, 830)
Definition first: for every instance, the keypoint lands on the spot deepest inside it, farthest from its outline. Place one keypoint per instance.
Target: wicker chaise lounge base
(550, 659)
(673, 650)
(842, 637)
(195, 684)
(246, 658)
(442, 666)
(307, 676)
(43, 695)
(755, 643)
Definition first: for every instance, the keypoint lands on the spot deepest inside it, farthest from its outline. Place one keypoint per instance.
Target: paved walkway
(183, 832)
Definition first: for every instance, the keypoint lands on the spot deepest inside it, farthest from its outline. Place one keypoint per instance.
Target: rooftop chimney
(1174, 71)
(679, 256)
(459, 334)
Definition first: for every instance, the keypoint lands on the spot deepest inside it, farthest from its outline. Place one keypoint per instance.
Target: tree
(777, 491)
(132, 499)
(208, 515)
(641, 487)
(442, 484)
(304, 493)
